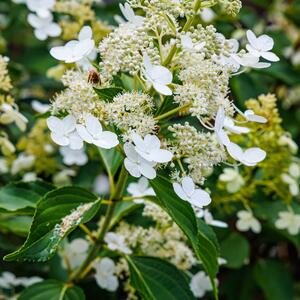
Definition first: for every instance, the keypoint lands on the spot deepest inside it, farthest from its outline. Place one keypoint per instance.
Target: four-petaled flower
(75, 50)
(130, 16)
(188, 44)
(247, 221)
(188, 192)
(290, 221)
(43, 27)
(93, 133)
(140, 189)
(73, 157)
(261, 46)
(41, 7)
(63, 132)
(136, 165)
(149, 148)
(116, 242)
(250, 157)
(200, 284)
(105, 274)
(158, 76)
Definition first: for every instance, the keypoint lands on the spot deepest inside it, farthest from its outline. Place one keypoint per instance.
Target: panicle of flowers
(132, 112)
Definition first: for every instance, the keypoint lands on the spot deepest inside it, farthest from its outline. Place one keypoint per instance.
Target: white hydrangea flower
(10, 115)
(188, 44)
(105, 274)
(252, 117)
(187, 191)
(290, 221)
(130, 16)
(41, 7)
(116, 242)
(73, 157)
(43, 27)
(230, 126)
(63, 177)
(149, 148)
(75, 50)
(234, 181)
(140, 189)
(200, 284)
(63, 132)
(292, 178)
(75, 252)
(8, 280)
(29, 177)
(93, 133)
(250, 61)
(249, 157)
(101, 185)
(286, 140)
(208, 218)
(261, 46)
(221, 135)
(137, 165)
(22, 162)
(39, 107)
(246, 221)
(157, 76)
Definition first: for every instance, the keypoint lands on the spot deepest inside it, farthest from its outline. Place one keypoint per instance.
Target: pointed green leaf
(52, 290)
(200, 235)
(57, 214)
(108, 94)
(156, 279)
(112, 160)
(22, 196)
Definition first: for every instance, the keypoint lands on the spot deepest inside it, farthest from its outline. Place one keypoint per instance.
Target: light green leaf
(237, 258)
(274, 279)
(52, 290)
(156, 279)
(57, 214)
(112, 160)
(22, 196)
(199, 234)
(108, 94)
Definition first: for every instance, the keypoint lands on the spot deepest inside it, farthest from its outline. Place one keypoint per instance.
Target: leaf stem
(75, 276)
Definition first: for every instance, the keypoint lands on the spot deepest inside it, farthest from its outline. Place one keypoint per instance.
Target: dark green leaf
(57, 214)
(199, 234)
(240, 255)
(274, 279)
(22, 196)
(108, 94)
(52, 290)
(156, 279)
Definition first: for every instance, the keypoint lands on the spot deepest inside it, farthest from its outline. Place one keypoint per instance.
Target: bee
(94, 77)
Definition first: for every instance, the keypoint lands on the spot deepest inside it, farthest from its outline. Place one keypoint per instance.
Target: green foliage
(240, 255)
(55, 218)
(156, 279)
(108, 94)
(52, 289)
(199, 234)
(274, 279)
(21, 197)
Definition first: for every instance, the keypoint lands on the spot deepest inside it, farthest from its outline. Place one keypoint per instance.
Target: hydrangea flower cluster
(174, 73)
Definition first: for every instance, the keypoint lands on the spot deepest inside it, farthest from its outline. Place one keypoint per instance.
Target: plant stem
(75, 276)
(171, 112)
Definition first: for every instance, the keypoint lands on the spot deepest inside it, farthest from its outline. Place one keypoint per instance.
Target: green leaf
(123, 209)
(274, 279)
(199, 234)
(57, 214)
(112, 160)
(156, 279)
(19, 225)
(108, 94)
(22, 196)
(237, 258)
(52, 290)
